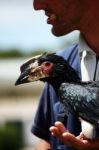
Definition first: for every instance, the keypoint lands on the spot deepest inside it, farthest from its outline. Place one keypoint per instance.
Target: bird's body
(80, 98)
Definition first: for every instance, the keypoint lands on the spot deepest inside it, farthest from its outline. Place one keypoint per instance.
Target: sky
(26, 29)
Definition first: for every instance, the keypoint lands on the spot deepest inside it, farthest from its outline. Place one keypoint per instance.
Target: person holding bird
(57, 130)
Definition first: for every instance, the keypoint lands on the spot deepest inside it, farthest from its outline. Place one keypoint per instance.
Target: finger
(54, 131)
(60, 127)
(58, 130)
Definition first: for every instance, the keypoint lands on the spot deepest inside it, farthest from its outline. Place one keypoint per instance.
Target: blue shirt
(51, 110)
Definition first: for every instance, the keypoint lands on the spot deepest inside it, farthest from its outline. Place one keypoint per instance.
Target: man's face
(64, 15)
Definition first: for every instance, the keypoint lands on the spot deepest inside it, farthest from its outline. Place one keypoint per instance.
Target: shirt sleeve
(42, 120)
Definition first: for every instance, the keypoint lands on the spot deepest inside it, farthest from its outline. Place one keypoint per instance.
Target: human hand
(70, 140)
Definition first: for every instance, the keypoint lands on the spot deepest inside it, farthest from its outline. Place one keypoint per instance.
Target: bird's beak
(31, 75)
(23, 78)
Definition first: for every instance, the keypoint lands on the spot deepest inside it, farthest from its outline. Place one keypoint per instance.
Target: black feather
(80, 98)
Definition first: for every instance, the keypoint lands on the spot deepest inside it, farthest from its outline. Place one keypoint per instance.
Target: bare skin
(73, 15)
(43, 145)
(69, 139)
(66, 16)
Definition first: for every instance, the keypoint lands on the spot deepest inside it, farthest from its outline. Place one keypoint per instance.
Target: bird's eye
(47, 67)
(47, 64)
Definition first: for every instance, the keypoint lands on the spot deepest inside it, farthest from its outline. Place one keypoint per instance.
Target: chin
(58, 32)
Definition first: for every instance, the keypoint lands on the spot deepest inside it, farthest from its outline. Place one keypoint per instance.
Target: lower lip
(50, 21)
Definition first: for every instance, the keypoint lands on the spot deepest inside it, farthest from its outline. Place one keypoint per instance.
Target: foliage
(15, 53)
(10, 53)
(38, 52)
(10, 138)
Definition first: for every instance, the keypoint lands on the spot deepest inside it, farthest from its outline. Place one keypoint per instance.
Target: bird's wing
(82, 100)
(89, 83)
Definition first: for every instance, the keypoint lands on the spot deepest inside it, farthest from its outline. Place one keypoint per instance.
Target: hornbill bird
(79, 98)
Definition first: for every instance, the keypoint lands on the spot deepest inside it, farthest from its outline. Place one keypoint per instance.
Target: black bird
(79, 98)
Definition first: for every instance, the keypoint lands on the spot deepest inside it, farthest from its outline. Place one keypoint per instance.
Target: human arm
(70, 140)
(43, 145)
(41, 123)
(44, 117)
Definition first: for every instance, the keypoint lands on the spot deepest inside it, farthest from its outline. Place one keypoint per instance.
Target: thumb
(70, 140)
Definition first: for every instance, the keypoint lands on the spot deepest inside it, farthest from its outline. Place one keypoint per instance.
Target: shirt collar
(83, 46)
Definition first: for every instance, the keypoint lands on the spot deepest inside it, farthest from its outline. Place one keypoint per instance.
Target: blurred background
(23, 33)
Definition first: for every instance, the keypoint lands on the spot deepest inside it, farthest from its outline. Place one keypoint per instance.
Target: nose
(39, 4)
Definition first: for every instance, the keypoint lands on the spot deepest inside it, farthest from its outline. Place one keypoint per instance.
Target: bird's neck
(64, 77)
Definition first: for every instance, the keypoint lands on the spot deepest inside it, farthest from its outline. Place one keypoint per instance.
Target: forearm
(43, 145)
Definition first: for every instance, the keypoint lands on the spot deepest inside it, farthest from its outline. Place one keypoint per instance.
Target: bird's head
(46, 67)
